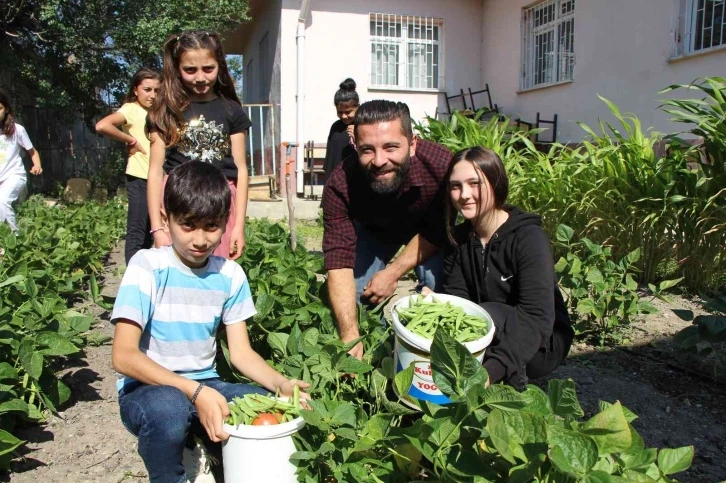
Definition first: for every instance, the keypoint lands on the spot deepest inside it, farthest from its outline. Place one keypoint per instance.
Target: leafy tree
(67, 53)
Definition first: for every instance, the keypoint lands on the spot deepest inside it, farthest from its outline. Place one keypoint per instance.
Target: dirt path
(87, 442)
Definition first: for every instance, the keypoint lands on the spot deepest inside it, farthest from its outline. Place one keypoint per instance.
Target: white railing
(261, 139)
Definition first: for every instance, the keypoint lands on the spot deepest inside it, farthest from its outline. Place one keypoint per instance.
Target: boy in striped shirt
(167, 312)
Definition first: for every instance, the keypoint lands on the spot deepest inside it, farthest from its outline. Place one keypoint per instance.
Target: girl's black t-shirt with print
(205, 135)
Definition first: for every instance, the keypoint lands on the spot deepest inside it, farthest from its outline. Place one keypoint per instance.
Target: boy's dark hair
(346, 93)
(197, 192)
(378, 111)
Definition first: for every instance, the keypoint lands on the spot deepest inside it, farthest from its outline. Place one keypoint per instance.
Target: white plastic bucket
(413, 349)
(260, 453)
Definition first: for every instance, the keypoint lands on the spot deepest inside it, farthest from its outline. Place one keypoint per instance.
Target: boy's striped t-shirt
(179, 309)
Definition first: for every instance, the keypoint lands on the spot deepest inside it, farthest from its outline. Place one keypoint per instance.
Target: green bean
(424, 318)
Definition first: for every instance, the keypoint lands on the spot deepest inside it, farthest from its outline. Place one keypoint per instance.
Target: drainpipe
(304, 10)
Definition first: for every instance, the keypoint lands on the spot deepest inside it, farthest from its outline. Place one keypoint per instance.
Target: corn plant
(701, 229)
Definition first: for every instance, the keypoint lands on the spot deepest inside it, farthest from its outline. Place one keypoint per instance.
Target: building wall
(622, 50)
(337, 46)
(261, 52)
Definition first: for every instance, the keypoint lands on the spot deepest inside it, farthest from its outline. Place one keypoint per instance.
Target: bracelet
(196, 393)
(132, 143)
(151, 232)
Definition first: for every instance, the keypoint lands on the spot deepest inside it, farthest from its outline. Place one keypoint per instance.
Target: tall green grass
(624, 186)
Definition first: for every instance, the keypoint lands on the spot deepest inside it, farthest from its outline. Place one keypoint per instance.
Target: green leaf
(12, 280)
(33, 365)
(561, 265)
(8, 442)
(343, 415)
(57, 345)
(303, 455)
(672, 461)
(540, 402)
(350, 365)
(571, 452)
(505, 397)
(609, 429)
(264, 304)
(278, 342)
(7, 372)
(294, 341)
(630, 416)
(585, 306)
(564, 233)
(563, 398)
(666, 284)
(403, 380)
(594, 276)
(14, 406)
(455, 369)
(517, 434)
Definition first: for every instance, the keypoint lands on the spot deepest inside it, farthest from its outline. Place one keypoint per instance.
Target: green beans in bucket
(423, 318)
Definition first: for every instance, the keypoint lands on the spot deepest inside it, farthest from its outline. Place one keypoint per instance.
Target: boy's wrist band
(196, 393)
(151, 232)
(132, 143)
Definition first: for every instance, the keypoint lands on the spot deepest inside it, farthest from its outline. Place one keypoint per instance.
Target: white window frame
(400, 34)
(688, 38)
(548, 44)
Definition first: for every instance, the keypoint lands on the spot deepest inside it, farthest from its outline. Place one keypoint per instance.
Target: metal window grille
(700, 25)
(406, 51)
(548, 43)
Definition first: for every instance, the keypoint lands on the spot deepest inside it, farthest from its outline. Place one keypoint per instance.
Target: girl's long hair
(7, 125)
(488, 165)
(166, 115)
(140, 76)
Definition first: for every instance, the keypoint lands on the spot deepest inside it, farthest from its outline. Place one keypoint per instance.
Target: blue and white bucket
(413, 349)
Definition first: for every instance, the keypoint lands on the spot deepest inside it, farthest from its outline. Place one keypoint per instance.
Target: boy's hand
(236, 237)
(287, 388)
(36, 169)
(212, 409)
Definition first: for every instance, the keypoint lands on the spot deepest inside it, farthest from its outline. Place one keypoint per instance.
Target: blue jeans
(162, 418)
(372, 255)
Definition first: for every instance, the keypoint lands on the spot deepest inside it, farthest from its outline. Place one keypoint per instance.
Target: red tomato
(266, 419)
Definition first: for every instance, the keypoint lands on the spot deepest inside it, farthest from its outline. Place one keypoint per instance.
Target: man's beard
(383, 186)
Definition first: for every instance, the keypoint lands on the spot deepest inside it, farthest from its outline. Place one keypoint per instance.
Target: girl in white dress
(12, 172)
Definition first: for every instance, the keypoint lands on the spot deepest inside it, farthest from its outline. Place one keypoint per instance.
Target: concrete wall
(338, 46)
(261, 51)
(622, 50)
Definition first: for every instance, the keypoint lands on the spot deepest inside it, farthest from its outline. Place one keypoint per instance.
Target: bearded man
(389, 195)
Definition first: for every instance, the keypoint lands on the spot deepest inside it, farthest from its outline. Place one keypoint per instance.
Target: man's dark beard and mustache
(382, 186)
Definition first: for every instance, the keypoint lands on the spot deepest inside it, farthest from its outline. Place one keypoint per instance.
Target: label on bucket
(422, 386)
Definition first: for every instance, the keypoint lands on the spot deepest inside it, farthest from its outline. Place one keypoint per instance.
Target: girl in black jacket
(340, 140)
(501, 259)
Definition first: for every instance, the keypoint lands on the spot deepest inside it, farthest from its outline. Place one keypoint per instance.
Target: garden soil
(86, 441)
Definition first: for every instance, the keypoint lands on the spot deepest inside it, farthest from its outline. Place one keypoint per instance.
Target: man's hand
(212, 409)
(357, 350)
(36, 169)
(382, 286)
